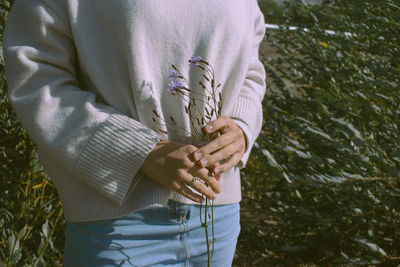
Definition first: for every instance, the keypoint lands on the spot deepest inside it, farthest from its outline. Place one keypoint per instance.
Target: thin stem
(212, 227)
(166, 124)
(198, 116)
(197, 99)
(180, 75)
(206, 229)
(198, 134)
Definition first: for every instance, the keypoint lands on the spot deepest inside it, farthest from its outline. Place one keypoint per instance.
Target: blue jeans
(162, 236)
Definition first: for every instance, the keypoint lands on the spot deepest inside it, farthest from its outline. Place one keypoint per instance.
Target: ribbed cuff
(112, 158)
(244, 113)
(249, 141)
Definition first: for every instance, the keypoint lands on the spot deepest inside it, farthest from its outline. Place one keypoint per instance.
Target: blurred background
(322, 185)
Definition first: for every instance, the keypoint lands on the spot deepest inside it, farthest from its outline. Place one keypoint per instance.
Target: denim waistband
(173, 235)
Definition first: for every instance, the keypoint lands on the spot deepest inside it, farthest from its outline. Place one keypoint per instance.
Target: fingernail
(209, 128)
(217, 170)
(197, 155)
(204, 162)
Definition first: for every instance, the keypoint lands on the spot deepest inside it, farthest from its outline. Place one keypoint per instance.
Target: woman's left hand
(230, 145)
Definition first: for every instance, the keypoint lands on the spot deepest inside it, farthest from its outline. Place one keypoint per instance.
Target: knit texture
(84, 77)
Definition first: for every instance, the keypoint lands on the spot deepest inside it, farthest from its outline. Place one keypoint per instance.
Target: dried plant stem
(204, 223)
(197, 99)
(167, 125)
(212, 228)
(199, 116)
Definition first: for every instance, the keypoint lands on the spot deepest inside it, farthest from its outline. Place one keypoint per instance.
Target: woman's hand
(230, 145)
(171, 164)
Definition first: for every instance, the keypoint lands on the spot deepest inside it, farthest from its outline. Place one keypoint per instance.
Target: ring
(195, 178)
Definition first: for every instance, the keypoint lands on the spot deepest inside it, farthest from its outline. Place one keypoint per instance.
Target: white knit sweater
(85, 75)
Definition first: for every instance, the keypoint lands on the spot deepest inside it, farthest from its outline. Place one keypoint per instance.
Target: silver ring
(195, 178)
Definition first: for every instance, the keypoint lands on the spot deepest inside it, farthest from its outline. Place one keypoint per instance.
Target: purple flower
(174, 87)
(195, 60)
(173, 75)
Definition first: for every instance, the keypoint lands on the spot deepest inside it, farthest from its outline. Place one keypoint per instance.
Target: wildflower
(324, 44)
(174, 87)
(195, 60)
(177, 85)
(173, 75)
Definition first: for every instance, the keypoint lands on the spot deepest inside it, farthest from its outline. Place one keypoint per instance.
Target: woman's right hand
(171, 165)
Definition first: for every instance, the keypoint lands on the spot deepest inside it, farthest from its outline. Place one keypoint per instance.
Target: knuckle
(213, 182)
(200, 174)
(237, 132)
(223, 154)
(233, 149)
(222, 168)
(186, 164)
(205, 178)
(190, 149)
(229, 120)
(222, 139)
(211, 161)
(229, 151)
(207, 150)
(181, 174)
(203, 150)
(216, 157)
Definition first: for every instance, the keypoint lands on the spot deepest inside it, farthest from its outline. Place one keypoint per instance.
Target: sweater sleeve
(99, 145)
(247, 111)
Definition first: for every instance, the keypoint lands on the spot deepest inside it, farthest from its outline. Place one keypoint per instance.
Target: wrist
(148, 162)
(245, 139)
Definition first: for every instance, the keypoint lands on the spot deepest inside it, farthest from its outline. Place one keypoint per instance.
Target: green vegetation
(31, 222)
(322, 184)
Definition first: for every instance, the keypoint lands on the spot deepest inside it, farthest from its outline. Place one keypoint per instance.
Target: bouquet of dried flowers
(202, 106)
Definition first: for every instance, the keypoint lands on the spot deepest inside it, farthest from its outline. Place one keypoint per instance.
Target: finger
(186, 192)
(218, 124)
(204, 177)
(209, 178)
(212, 168)
(213, 146)
(204, 190)
(234, 159)
(220, 155)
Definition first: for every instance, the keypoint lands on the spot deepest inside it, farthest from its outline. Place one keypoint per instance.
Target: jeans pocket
(178, 211)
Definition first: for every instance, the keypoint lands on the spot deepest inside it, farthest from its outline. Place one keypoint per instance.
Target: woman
(85, 76)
